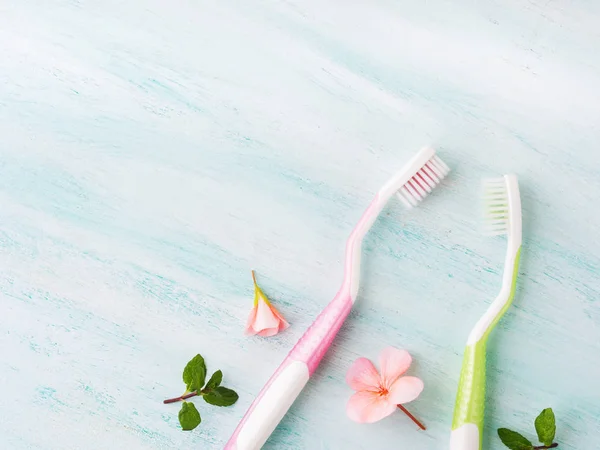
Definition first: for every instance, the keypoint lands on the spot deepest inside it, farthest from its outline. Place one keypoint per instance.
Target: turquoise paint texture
(153, 152)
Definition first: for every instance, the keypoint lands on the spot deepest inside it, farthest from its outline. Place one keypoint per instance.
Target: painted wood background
(152, 153)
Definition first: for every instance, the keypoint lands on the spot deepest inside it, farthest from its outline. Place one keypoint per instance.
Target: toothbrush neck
(354, 246)
(498, 307)
(514, 244)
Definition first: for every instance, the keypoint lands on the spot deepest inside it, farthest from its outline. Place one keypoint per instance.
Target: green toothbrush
(503, 216)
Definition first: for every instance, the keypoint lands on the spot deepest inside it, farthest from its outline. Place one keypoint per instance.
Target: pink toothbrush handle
(315, 342)
(289, 379)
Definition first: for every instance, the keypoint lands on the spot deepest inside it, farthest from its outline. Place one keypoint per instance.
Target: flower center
(383, 391)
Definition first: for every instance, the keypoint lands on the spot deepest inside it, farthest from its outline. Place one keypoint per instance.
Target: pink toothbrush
(412, 184)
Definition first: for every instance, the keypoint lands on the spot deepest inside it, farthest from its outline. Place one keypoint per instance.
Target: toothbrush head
(502, 206)
(495, 197)
(418, 178)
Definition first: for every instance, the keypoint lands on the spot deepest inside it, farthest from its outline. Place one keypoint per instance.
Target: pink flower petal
(393, 363)
(283, 324)
(265, 318)
(405, 389)
(368, 407)
(267, 332)
(251, 318)
(362, 376)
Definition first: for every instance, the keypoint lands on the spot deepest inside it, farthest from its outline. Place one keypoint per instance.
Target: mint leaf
(221, 396)
(514, 440)
(189, 417)
(194, 374)
(214, 381)
(545, 425)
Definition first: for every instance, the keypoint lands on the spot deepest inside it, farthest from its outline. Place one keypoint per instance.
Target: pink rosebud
(264, 319)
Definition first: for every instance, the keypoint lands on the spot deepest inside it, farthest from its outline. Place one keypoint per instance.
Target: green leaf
(514, 440)
(214, 381)
(545, 425)
(189, 417)
(221, 396)
(194, 374)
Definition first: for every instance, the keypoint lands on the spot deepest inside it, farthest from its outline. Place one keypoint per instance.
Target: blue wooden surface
(153, 152)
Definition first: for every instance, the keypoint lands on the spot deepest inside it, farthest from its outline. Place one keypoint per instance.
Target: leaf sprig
(545, 427)
(194, 377)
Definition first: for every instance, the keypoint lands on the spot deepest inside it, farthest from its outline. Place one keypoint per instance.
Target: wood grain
(153, 152)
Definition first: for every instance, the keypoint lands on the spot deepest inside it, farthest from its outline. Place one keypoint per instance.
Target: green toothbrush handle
(467, 424)
(470, 400)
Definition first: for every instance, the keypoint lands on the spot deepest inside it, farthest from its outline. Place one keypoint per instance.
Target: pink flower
(264, 319)
(377, 396)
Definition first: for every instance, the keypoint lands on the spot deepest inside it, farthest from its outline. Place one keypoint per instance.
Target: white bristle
(495, 197)
(416, 187)
(423, 182)
(407, 197)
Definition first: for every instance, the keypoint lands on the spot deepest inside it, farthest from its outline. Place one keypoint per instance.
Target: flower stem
(178, 399)
(413, 418)
(542, 447)
(254, 277)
